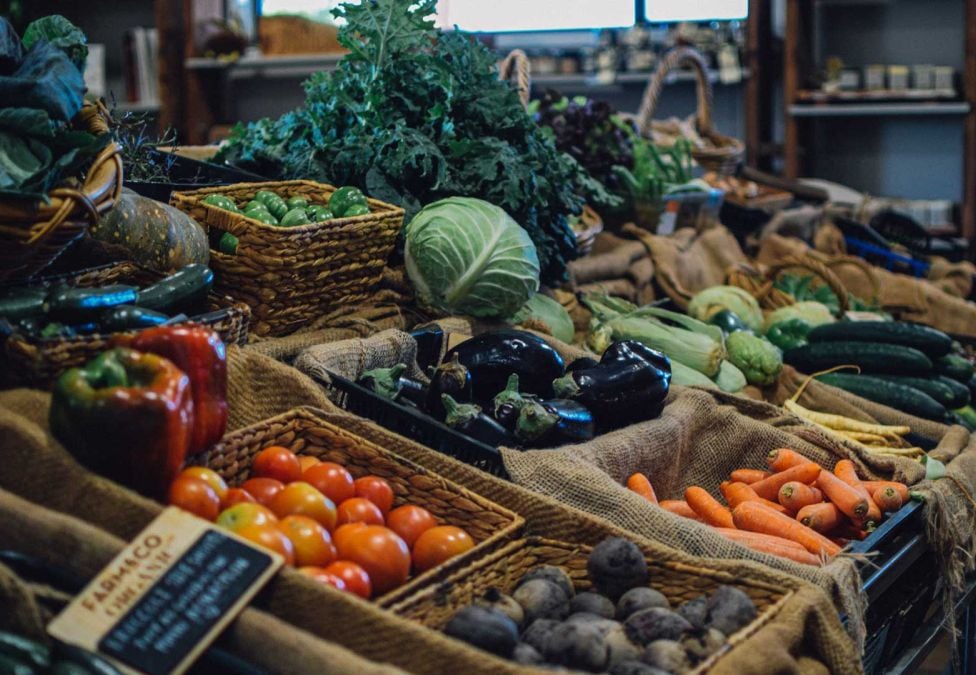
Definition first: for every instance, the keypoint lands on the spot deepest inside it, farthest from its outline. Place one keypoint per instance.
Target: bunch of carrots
(797, 510)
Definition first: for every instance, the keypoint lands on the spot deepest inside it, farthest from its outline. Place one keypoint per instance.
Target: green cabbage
(814, 313)
(738, 301)
(466, 256)
(544, 309)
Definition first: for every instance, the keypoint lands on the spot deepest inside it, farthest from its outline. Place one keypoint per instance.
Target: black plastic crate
(415, 425)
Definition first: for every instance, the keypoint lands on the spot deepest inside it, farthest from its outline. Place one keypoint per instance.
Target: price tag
(167, 596)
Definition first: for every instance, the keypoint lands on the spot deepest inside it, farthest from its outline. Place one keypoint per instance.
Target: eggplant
(582, 363)
(470, 421)
(449, 378)
(384, 382)
(508, 403)
(491, 357)
(554, 422)
(628, 385)
(412, 392)
(430, 342)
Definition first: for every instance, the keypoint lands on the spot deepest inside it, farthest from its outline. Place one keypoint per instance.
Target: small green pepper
(294, 217)
(345, 198)
(262, 217)
(221, 202)
(264, 195)
(789, 334)
(228, 244)
(356, 210)
(255, 204)
(296, 202)
(319, 213)
(276, 205)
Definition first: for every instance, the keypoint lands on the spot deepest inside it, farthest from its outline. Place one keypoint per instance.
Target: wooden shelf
(877, 109)
(291, 65)
(624, 78)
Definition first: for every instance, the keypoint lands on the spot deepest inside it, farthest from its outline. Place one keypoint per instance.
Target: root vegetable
(708, 508)
(542, 599)
(749, 476)
(679, 507)
(592, 603)
(556, 575)
(851, 503)
(639, 598)
(794, 495)
(656, 623)
(485, 628)
(758, 518)
(615, 566)
(730, 609)
(768, 488)
(822, 518)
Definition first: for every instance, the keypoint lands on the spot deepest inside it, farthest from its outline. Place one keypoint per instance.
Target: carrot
(768, 488)
(749, 476)
(847, 472)
(823, 517)
(782, 459)
(736, 493)
(758, 518)
(638, 483)
(708, 508)
(679, 507)
(887, 499)
(851, 531)
(844, 497)
(900, 488)
(794, 495)
(765, 543)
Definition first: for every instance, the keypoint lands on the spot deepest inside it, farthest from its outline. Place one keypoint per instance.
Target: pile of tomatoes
(338, 530)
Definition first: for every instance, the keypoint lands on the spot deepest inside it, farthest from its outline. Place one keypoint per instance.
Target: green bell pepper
(789, 334)
(345, 198)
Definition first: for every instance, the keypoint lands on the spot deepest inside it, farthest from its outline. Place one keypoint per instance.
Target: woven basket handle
(864, 267)
(819, 269)
(652, 93)
(518, 63)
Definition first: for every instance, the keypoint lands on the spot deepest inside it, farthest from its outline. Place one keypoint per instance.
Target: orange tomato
(301, 499)
(379, 551)
(353, 576)
(410, 522)
(271, 539)
(262, 489)
(208, 476)
(376, 490)
(245, 514)
(236, 496)
(359, 510)
(332, 480)
(278, 463)
(195, 496)
(313, 545)
(305, 461)
(439, 544)
(343, 531)
(320, 574)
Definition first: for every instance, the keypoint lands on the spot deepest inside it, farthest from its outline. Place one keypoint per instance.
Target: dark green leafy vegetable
(46, 79)
(11, 48)
(62, 34)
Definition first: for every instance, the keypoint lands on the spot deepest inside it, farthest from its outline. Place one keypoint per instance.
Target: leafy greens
(413, 115)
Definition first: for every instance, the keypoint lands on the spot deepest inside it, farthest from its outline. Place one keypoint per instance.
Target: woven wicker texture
(488, 524)
(37, 362)
(517, 63)
(291, 276)
(33, 235)
(724, 153)
(761, 283)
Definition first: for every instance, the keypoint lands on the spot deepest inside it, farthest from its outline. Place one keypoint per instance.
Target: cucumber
(20, 303)
(12, 666)
(80, 305)
(130, 317)
(967, 415)
(26, 651)
(871, 357)
(956, 367)
(898, 396)
(179, 292)
(927, 340)
(948, 392)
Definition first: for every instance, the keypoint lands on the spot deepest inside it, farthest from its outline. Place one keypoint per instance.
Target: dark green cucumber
(79, 305)
(179, 292)
(954, 366)
(927, 340)
(967, 415)
(22, 303)
(871, 357)
(948, 392)
(12, 666)
(130, 317)
(898, 396)
(24, 650)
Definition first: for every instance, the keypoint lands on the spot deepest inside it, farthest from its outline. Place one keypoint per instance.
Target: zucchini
(22, 303)
(26, 651)
(898, 396)
(179, 292)
(931, 342)
(130, 317)
(80, 305)
(948, 392)
(954, 366)
(871, 357)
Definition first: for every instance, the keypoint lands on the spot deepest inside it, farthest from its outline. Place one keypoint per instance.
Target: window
(534, 15)
(699, 10)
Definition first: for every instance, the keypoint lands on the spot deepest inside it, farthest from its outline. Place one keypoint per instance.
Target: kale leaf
(62, 34)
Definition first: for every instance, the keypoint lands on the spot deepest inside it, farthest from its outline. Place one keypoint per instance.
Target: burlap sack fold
(616, 266)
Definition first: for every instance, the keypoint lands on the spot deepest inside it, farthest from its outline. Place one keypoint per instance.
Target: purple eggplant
(545, 424)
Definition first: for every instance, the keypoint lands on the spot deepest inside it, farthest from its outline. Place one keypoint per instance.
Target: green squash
(153, 234)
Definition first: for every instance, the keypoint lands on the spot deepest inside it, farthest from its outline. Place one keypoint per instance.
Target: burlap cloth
(616, 266)
(804, 637)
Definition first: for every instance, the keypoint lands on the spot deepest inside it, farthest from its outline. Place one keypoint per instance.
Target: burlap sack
(953, 278)
(617, 266)
(82, 550)
(910, 298)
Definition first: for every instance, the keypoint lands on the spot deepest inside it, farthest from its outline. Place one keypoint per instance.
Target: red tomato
(359, 510)
(320, 574)
(376, 490)
(353, 576)
(380, 552)
(271, 539)
(278, 463)
(301, 499)
(241, 515)
(305, 461)
(263, 489)
(195, 496)
(208, 476)
(313, 545)
(236, 496)
(439, 544)
(410, 522)
(332, 480)
(343, 531)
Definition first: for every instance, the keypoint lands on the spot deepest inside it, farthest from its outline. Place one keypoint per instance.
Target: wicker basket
(32, 235)
(723, 153)
(37, 362)
(435, 605)
(291, 276)
(760, 284)
(302, 432)
(517, 63)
